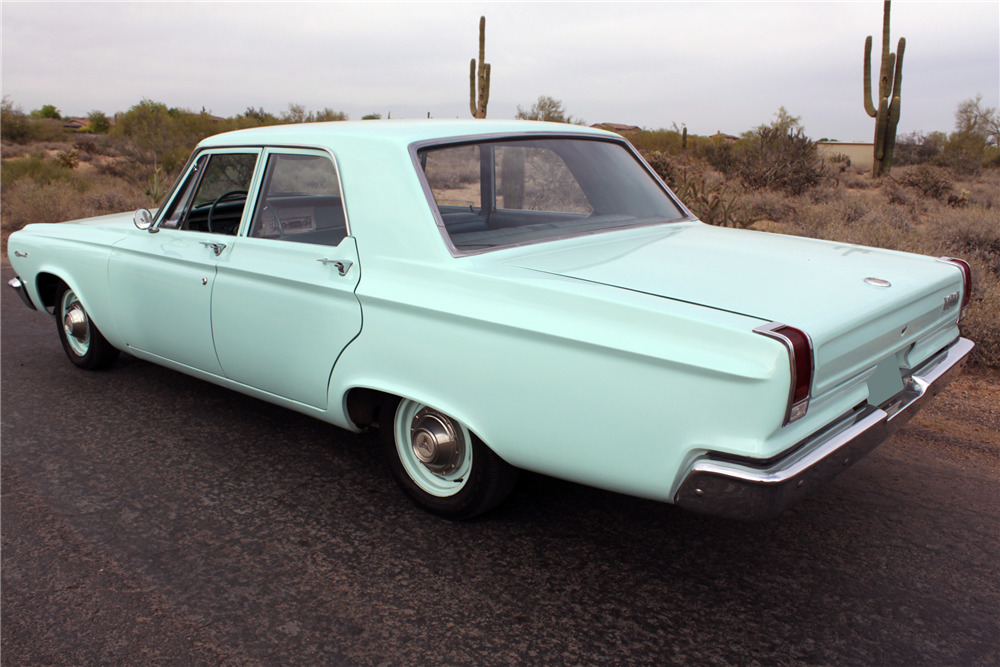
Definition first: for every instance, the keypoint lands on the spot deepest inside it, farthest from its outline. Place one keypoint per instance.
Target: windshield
(502, 193)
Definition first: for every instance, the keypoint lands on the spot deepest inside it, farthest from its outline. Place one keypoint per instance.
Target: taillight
(966, 280)
(800, 359)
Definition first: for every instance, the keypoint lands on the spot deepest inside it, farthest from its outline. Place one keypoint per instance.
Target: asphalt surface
(150, 518)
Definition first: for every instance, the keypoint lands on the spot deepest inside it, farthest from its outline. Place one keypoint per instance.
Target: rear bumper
(755, 491)
(17, 285)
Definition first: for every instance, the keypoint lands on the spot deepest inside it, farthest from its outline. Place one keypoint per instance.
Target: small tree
(976, 140)
(13, 123)
(547, 109)
(47, 111)
(297, 114)
(972, 118)
(98, 122)
(328, 114)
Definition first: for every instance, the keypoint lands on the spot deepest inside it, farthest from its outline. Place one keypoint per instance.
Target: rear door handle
(342, 265)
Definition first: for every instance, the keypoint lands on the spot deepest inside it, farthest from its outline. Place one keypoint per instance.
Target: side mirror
(143, 219)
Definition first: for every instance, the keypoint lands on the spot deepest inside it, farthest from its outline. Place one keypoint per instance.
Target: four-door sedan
(504, 295)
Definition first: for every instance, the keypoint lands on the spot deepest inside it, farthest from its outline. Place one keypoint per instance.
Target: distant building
(861, 154)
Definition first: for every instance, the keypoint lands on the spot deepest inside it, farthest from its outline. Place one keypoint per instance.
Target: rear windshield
(503, 193)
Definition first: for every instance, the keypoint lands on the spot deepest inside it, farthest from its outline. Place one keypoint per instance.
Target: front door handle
(342, 265)
(217, 248)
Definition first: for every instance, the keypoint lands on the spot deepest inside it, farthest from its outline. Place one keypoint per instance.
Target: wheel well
(48, 285)
(363, 406)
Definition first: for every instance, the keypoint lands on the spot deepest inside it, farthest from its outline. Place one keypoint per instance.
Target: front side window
(213, 195)
(300, 201)
(502, 193)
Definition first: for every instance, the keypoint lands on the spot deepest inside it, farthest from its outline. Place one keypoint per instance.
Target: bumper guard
(17, 285)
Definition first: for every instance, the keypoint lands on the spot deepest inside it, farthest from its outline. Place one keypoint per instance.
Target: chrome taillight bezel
(802, 366)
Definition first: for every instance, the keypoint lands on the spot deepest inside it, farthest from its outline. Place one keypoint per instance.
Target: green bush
(47, 111)
(97, 122)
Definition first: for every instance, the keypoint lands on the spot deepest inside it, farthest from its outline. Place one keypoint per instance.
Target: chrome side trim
(743, 490)
(18, 286)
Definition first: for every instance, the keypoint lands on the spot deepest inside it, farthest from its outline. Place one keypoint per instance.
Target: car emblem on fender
(951, 301)
(878, 282)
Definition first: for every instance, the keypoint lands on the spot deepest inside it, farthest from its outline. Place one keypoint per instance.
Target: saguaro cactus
(890, 82)
(481, 77)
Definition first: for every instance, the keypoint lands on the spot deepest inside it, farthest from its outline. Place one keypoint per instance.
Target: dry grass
(37, 188)
(919, 211)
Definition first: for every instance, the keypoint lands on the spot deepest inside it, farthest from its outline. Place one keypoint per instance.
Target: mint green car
(496, 296)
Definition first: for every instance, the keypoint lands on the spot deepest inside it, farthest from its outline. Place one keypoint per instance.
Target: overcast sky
(714, 66)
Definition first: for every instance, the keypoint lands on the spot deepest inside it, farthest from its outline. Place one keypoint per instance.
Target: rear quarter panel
(580, 381)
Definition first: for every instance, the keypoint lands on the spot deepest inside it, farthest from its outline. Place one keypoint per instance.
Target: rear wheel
(80, 338)
(441, 465)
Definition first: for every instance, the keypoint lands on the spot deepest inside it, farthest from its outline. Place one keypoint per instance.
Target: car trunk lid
(859, 305)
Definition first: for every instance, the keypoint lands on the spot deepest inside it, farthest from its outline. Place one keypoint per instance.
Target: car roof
(403, 132)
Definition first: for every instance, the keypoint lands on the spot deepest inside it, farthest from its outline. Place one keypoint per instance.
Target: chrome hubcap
(435, 442)
(75, 323)
(434, 449)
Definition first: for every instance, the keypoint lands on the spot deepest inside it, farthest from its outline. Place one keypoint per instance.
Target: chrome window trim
(443, 142)
(264, 151)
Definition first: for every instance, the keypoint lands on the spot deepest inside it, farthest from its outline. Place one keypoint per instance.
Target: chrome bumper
(757, 490)
(17, 285)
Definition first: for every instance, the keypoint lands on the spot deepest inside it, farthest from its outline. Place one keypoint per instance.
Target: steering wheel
(220, 198)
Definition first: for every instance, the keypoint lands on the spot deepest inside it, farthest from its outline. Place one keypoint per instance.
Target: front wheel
(80, 338)
(441, 465)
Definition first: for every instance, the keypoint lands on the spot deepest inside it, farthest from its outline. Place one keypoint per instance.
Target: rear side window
(300, 201)
(496, 194)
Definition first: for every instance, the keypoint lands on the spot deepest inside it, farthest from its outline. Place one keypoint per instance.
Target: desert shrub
(650, 141)
(972, 233)
(711, 199)
(917, 148)
(982, 324)
(34, 168)
(22, 129)
(779, 159)
(928, 180)
(854, 180)
(11, 150)
(896, 195)
(719, 152)
(769, 205)
(27, 201)
(69, 158)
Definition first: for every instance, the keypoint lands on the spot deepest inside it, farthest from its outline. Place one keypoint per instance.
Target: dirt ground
(967, 412)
